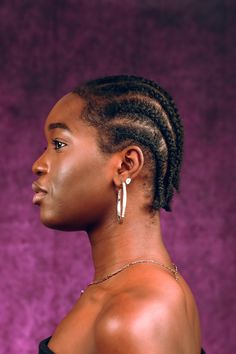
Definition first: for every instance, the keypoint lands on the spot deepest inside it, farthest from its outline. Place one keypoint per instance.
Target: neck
(115, 245)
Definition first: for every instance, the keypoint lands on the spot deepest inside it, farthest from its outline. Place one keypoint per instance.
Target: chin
(52, 221)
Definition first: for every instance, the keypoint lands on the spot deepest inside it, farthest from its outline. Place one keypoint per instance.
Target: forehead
(67, 110)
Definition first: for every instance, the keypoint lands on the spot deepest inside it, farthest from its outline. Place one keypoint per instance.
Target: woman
(113, 160)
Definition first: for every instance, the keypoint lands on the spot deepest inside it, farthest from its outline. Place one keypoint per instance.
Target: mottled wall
(46, 48)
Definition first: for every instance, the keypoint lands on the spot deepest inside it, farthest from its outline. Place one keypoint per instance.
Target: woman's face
(75, 174)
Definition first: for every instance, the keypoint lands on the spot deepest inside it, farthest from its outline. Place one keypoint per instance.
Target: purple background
(48, 47)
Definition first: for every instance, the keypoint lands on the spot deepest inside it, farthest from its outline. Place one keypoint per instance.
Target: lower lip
(38, 197)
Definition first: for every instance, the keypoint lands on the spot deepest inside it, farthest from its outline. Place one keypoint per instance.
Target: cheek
(78, 195)
(77, 180)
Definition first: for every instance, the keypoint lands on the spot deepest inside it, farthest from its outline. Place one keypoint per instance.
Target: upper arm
(136, 328)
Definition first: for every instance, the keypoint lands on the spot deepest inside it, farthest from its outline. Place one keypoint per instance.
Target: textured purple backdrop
(46, 48)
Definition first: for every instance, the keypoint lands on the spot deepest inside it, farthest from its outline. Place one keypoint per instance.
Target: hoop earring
(122, 201)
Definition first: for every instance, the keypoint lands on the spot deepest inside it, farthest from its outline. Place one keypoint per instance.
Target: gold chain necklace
(173, 270)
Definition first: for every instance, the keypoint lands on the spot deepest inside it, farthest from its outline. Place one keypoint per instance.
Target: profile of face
(74, 186)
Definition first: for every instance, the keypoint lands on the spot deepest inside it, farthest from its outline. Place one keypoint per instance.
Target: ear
(129, 164)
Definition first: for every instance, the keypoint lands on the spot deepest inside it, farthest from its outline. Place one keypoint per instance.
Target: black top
(43, 347)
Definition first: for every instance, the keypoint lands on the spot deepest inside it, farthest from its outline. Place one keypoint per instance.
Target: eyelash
(55, 142)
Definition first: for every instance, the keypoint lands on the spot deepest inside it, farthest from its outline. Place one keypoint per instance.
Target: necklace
(173, 270)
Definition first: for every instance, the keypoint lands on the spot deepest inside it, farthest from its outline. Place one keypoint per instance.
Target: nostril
(40, 170)
(39, 173)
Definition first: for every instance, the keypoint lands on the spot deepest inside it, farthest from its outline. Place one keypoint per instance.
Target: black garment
(43, 348)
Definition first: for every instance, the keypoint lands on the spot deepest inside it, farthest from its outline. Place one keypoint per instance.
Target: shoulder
(142, 319)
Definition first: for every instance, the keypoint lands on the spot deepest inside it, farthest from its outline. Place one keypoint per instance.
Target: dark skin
(143, 309)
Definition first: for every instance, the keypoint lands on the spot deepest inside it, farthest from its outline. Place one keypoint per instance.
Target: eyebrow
(58, 125)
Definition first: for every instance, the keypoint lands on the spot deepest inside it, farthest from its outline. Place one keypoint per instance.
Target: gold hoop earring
(122, 201)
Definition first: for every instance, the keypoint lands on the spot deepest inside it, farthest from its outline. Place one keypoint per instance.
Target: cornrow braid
(128, 84)
(144, 111)
(130, 109)
(120, 133)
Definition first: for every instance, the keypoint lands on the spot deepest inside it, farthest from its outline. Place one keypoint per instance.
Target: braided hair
(132, 110)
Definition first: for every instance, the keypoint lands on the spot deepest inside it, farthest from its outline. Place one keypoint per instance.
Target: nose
(40, 166)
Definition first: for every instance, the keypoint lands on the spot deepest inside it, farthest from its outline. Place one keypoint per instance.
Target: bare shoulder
(147, 318)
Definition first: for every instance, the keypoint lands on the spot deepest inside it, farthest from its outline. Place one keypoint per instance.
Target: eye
(58, 144)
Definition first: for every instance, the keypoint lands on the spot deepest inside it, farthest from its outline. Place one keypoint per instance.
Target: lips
(40, 193)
